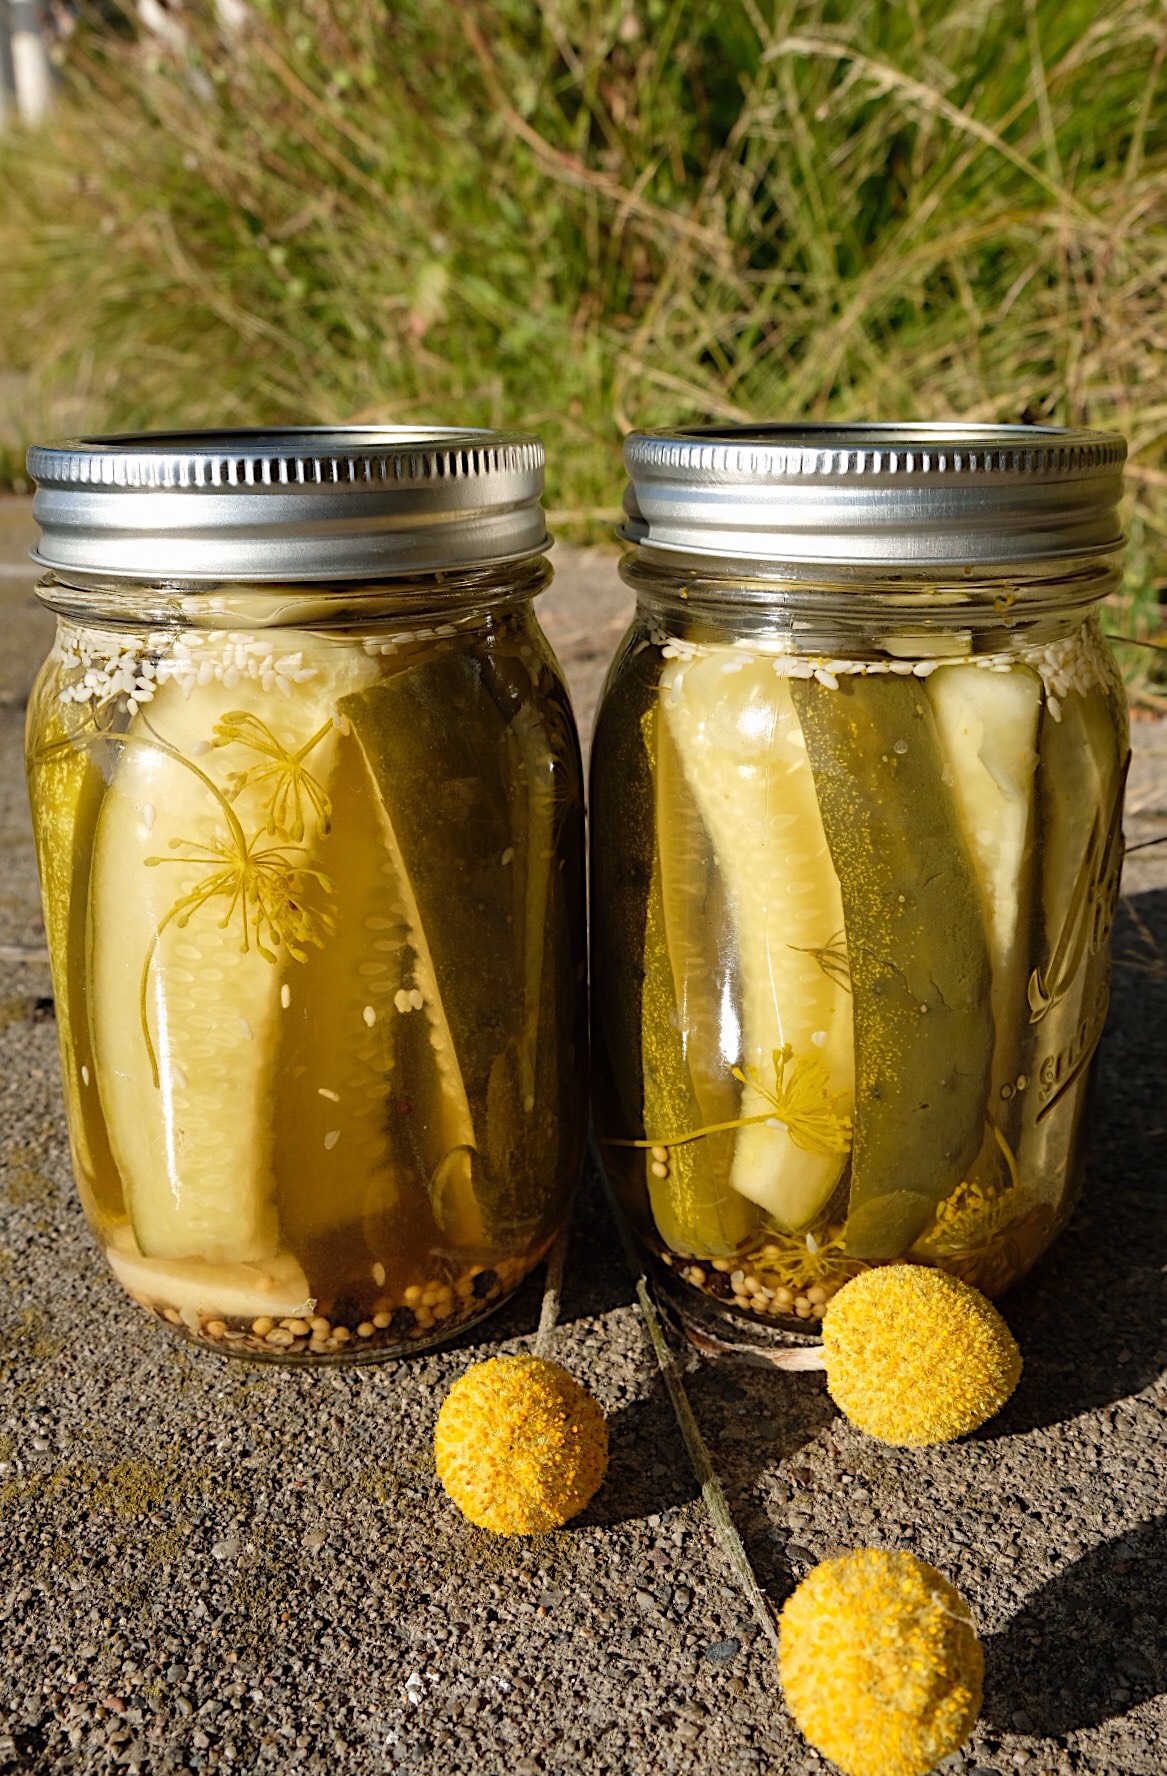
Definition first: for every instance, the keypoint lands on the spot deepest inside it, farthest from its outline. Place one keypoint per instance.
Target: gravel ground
(210, 1566)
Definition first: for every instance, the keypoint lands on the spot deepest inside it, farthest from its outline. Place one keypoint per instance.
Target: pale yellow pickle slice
(205, 895)
(741, 747)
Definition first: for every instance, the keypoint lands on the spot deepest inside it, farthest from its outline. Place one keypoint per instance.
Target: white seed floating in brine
(331, 1138)
(324, 1092)
(369, 1016)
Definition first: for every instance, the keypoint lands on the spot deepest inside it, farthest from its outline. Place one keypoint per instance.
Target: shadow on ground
(648, 1467)
(1090, 1645)
(1092, 1317)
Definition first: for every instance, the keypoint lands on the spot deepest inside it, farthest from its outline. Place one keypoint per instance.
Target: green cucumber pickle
(851, 952)
(314, 902)
(917, 947)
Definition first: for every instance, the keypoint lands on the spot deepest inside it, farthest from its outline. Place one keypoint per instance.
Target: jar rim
(293, 503)
(912, 494)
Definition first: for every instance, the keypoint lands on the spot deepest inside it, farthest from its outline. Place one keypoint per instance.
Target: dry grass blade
(888, 79)
(569, 167)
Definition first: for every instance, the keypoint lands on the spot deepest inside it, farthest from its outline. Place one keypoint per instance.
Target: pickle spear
(623, 852)
(738, 740)
(987, 723)
(687, 1080)
(643, 1086)
(920, 970)
(1082, 764)
(198, 1288)
(530, 771)
(204, 895)
(535, 1115)
(66, 785)
(338, 1149)
(434, 741)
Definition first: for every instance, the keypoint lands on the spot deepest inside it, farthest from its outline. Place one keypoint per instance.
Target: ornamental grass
(580, 216)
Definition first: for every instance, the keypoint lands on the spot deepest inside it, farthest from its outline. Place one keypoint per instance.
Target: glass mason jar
(306, 790)
(856, 837)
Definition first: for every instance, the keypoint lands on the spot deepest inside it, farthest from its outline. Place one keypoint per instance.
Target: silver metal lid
(306, 503)
(884, 495)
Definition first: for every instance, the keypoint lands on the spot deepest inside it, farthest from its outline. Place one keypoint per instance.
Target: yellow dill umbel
(520, 1445)
(913, 1356)
(880, 1664)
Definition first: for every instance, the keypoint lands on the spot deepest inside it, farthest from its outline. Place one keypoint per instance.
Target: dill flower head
(913, 1356)
(880, 1663)
(520, 1445)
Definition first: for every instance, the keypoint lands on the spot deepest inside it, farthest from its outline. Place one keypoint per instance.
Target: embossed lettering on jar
(856, 837)
(306, 793)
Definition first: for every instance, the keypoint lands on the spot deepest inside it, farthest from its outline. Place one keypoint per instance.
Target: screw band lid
(295, 504)
(886, 495)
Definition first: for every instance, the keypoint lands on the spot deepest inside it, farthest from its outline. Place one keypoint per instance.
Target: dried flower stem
(712, 1491)
(801, 1104)
(552, 1289)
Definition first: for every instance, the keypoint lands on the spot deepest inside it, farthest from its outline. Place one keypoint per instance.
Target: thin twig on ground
(712, 1491)
(552, 1289)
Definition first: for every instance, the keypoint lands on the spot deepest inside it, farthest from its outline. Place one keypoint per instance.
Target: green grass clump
(579, 215)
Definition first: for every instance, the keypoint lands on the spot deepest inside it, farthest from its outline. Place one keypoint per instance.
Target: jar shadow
(750, 1435)
(1089, 1646)
(1091, 1317)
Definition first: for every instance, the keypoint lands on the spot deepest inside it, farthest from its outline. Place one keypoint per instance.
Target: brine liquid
(314, 906)
(851, 951)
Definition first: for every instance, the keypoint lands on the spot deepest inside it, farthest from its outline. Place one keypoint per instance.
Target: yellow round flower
(880, 1663)
(913, 1356)
(520, 1445)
